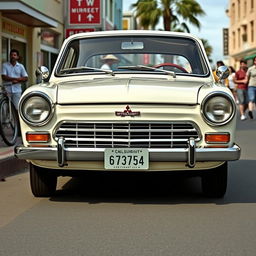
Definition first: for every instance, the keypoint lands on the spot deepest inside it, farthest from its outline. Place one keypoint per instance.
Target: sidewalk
(9, 164)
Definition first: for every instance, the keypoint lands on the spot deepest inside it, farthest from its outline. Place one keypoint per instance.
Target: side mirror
(222, 72)
(42, 74)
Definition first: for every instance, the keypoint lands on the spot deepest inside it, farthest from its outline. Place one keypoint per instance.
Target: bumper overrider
(190, 155)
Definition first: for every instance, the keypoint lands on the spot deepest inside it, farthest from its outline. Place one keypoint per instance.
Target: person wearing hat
(109, 60)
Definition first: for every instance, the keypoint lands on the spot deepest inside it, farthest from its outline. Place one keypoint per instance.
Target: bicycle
(9, 124)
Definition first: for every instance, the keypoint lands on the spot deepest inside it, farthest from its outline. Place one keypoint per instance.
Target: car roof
(130, 33)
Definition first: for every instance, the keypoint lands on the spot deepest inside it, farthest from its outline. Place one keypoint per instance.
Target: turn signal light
(217, 138)
(38, 137)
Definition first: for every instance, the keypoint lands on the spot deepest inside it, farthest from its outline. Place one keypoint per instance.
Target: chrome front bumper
(190, 155)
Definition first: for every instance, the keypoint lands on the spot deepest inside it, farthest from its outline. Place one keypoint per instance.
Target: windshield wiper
(145, 68)
(84, 68)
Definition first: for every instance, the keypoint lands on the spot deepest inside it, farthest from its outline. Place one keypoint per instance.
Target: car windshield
(132, 54)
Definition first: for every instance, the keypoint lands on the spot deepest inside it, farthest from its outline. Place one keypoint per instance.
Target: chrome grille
(127, 134)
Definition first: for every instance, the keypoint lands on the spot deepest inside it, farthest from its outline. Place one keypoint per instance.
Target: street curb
(11, 166)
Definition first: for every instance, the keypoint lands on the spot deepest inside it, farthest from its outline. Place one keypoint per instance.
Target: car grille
(127, 134)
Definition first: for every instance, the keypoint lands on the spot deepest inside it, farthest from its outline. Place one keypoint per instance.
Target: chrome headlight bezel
(218, 94)
(48, 101)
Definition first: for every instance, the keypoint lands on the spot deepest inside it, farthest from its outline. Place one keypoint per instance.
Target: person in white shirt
(109, 60)
(13, 74)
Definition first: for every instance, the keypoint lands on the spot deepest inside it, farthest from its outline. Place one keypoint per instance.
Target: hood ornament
(127, 112)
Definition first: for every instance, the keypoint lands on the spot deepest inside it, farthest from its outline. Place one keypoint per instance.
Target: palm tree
(173, 12)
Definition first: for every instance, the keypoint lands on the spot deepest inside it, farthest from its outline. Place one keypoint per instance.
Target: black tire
(42, 182)
(8, 126)
(214, 181)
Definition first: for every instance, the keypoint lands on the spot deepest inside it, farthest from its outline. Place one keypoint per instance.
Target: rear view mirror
(132, 45)
(42, 74)
(222, 72)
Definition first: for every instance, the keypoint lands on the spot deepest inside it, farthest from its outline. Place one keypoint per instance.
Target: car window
(181, 55)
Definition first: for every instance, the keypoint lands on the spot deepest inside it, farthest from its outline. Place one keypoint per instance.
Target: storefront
(35, 35)
(14, 36)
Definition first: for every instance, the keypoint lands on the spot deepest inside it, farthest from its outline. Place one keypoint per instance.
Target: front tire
(42, 182)
(214, 181)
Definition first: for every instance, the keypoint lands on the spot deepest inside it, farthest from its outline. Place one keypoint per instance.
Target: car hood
(129, 90)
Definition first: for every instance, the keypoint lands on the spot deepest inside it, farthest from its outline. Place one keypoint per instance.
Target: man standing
(13, 74)
(241, 86)
(251, 78)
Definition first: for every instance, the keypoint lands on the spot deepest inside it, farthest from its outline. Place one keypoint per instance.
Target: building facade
(37, 28)
(33, 27)
(242, 31)
(129, 21)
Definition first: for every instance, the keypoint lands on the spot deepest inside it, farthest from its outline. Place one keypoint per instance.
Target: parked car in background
(155, 107)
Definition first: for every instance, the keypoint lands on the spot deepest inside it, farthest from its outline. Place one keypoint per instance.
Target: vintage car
(140, 101)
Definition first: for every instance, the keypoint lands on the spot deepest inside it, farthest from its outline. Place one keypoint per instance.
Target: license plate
(124, 158)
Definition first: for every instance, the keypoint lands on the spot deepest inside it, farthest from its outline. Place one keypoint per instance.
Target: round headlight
(36, 109)
(218, 109)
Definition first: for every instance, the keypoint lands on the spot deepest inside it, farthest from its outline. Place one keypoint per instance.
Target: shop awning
(250, 57)
(26, 15)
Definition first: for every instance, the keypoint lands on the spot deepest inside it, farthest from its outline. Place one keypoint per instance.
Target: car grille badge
(127, 112)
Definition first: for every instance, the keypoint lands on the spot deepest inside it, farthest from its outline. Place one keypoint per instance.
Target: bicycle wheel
(8, 122)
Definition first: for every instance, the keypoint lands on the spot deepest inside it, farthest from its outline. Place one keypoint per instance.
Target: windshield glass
(127, 53)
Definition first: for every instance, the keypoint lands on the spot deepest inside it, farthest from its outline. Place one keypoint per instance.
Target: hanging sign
(84, 12)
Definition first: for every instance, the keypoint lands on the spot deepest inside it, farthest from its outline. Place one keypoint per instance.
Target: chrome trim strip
(156, 155)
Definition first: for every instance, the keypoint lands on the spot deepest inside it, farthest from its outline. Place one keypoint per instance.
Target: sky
(211, 24)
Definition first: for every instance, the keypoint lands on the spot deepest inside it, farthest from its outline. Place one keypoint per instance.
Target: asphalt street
(134, 215)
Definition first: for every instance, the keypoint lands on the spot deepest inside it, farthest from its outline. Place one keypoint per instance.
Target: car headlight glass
(218, 109)
(36, 109)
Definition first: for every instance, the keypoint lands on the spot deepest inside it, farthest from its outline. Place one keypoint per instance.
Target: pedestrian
(251, 79)
(241, 88)
(231, 83)
(223, 81)
(13, 74)
(109, 60)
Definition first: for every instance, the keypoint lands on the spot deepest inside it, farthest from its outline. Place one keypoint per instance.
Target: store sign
(13, 28)
(72, 31)
(84, 12)
(225, 42)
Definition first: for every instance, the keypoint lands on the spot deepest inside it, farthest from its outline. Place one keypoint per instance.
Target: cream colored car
(140, 101)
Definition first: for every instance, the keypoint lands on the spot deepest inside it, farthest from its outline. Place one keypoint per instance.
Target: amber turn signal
(217, 137)
(38, 137)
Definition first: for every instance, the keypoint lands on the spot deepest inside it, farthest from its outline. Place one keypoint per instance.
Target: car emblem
(127, 112)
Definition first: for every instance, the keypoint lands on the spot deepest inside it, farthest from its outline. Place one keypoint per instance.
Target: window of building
(233, 13)
(109, 10)
(245, 7)
(8, 44)
(239, 37)
(244, 34)
(252, 31)
(238, 9)
(234, 39)
(252, 4)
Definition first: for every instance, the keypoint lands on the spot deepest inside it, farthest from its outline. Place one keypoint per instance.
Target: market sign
(72, 31)
(225, 42)
(13, 28)
(84, 12)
